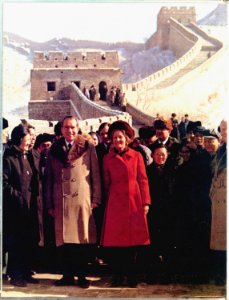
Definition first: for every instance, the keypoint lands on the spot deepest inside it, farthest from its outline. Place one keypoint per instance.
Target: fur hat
(163, 124)
(42, 138)
(123, 126)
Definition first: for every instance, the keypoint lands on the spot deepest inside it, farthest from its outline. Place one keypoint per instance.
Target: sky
(101, 21)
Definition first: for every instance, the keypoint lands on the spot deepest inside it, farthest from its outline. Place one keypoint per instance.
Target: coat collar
(128, 153)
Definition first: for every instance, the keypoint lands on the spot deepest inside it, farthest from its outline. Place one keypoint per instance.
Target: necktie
(69, 146)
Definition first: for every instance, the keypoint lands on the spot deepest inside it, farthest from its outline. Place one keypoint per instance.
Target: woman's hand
(94, 205)
(146, 209)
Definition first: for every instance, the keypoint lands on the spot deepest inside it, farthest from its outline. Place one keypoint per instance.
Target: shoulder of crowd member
(11, 151)
(57, 143)
(174, 140)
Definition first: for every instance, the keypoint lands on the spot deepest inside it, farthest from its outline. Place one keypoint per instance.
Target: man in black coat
(101, 149)
(163, 129)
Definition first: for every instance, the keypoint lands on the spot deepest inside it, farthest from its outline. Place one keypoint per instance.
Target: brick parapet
(77, 59)
(78, 105)
(56, 110)
(187, 88)
(140, 116)
(161, 75)
(206, 36)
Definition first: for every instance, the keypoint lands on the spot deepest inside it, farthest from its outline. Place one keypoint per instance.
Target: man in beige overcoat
(72, 191)
(218, 194)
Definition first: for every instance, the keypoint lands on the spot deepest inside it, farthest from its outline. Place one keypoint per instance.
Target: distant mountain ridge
(218, 17)
(66, 44)
(135, 62)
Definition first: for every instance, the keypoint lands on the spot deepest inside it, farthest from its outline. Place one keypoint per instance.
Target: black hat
(121, 125)
(210, 134)
(42, 138)
(5, 123)
(192, 125)
(146, 132)
(199, 129)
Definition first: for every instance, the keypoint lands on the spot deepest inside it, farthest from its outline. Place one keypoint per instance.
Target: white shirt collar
(67, 143)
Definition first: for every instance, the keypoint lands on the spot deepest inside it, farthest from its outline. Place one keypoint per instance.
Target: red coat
(127, 190)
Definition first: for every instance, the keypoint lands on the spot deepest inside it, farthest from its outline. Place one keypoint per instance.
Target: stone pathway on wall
(197, 61)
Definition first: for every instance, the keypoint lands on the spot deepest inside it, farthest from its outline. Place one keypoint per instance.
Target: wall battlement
(77, 59)
(177, 9)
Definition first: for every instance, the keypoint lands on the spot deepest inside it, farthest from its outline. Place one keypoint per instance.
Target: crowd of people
(113, 96)
(151, 207)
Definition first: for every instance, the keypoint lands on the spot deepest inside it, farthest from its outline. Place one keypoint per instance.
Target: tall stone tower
(184, 15)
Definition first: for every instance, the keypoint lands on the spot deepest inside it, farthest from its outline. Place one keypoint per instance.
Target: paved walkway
(100, 289)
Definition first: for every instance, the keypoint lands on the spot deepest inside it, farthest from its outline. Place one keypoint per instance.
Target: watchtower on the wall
(53, 72)
(183, 15)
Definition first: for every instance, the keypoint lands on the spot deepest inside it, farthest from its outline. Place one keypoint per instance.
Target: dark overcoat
(161, 212)
(22, 206)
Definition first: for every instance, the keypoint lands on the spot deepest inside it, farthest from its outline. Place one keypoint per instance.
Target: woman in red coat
(127, 195)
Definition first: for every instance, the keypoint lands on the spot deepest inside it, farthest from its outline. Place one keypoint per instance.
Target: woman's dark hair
(95, 133)
(18, 133)
(156, 146)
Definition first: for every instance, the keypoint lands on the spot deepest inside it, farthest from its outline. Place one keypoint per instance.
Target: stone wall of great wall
(183, 36)
(78, 105)
(159, 76)
(193, 74)
(184, 15)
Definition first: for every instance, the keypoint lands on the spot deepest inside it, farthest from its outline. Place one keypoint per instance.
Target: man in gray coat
(72, 191)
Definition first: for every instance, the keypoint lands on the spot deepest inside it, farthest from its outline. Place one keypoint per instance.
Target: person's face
(185, 153)
(199, 139)
(95, 139)
(211, 145)
(160, 156)
(25, 143)
(223, 131)
(119, 140)
(190, 136)
(69, 129)
(44, 147)
(104, 134)
(162, 134)
(32, 137)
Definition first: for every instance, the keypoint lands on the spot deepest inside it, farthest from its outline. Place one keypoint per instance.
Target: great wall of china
(200, 58)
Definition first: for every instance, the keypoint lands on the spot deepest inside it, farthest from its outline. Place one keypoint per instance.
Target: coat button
(73, 179)
(75, 194)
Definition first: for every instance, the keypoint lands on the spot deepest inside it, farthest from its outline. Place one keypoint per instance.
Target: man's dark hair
(68, 117)
(103, 125)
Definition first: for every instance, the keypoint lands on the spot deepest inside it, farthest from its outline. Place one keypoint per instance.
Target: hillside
(135, 62)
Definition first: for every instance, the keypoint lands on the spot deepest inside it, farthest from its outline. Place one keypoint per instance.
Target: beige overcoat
(219, 210)
(71, 189)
